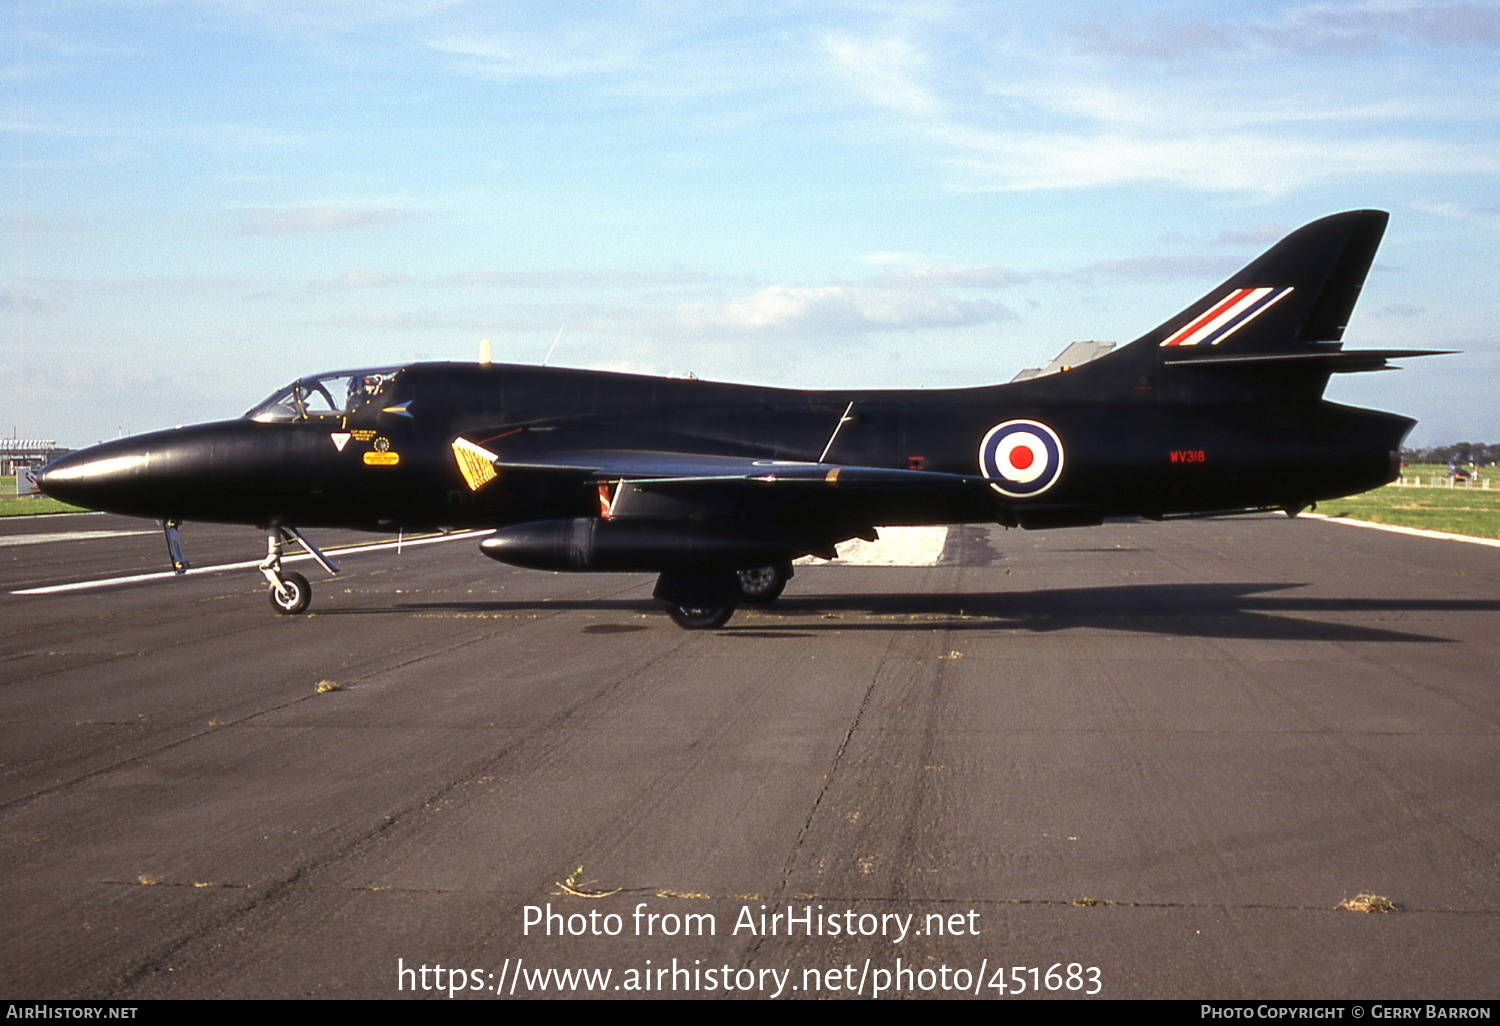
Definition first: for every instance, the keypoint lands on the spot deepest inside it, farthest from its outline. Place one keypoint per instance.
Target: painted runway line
(1416, 531)
(165, 575)
(897, 547)
(65, 536)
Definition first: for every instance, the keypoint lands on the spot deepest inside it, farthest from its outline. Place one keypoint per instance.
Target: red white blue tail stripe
(1227, 316)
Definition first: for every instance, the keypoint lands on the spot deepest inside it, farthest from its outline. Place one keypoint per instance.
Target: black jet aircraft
(719, 487)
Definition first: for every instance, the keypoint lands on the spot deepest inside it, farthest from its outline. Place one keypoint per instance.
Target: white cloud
(940, 275)
(362, 278)
(884, 257)
(1314, 27)
(324, 14)
(839, 310)
(889, 71)
(568, 278)
(308, 220)
(1162, 36)
(18, 298)
(1259, 235)
(1166, 266)
(598, 50)
(1401, 310)
(1044, 119)
(1251, 163)
(1483, 217)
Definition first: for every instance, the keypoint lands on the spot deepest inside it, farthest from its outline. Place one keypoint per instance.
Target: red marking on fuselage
(1022, 457)
(1189, 455)
(503, 434)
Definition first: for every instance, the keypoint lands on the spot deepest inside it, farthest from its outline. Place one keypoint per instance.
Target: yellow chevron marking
(475, 463)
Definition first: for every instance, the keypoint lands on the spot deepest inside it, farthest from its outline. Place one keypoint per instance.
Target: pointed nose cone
(232, 472)
(106, 477)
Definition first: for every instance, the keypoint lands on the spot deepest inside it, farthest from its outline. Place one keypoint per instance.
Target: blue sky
(206, 199)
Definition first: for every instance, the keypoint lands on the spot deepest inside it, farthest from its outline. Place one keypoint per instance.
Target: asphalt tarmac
(1148, 759)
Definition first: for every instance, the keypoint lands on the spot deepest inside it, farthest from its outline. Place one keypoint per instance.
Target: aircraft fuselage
(388, 471)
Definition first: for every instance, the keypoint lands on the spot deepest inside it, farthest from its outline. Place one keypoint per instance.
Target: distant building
(26, 452)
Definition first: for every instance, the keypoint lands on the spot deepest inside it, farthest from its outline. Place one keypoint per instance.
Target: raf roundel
(1021, 458)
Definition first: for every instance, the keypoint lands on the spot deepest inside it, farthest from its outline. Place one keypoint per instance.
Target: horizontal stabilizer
(1334, 362)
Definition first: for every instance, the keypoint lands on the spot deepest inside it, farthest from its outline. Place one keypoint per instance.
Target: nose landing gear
(290, 591)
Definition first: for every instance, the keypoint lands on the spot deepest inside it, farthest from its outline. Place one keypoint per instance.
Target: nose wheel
(290, 592)
(293, 595)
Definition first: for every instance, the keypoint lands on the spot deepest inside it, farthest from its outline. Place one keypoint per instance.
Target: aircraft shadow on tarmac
(1226, 610)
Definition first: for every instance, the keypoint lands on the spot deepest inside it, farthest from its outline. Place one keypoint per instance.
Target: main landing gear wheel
(696, 617)
(294, 595)
(762, 585)
(699, 601)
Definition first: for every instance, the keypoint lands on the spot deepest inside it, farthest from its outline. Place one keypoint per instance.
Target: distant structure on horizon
(1483, 454)
(26, 452)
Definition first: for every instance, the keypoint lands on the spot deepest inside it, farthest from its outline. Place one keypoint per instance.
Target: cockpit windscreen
(335, 394)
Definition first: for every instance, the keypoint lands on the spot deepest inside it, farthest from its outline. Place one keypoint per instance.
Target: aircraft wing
(816, 500)
(671, 467)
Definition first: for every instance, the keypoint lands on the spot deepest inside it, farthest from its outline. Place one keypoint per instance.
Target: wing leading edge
(810, 506)
(661, 468)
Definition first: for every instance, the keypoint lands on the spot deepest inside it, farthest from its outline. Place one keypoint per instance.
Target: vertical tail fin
(1297, 294)
(1273, 332)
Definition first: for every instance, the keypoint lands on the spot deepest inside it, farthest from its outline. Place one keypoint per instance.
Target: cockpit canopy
(336, 394)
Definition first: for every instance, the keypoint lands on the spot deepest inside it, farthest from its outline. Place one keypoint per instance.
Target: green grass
(1473, 511)
(13, 505)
